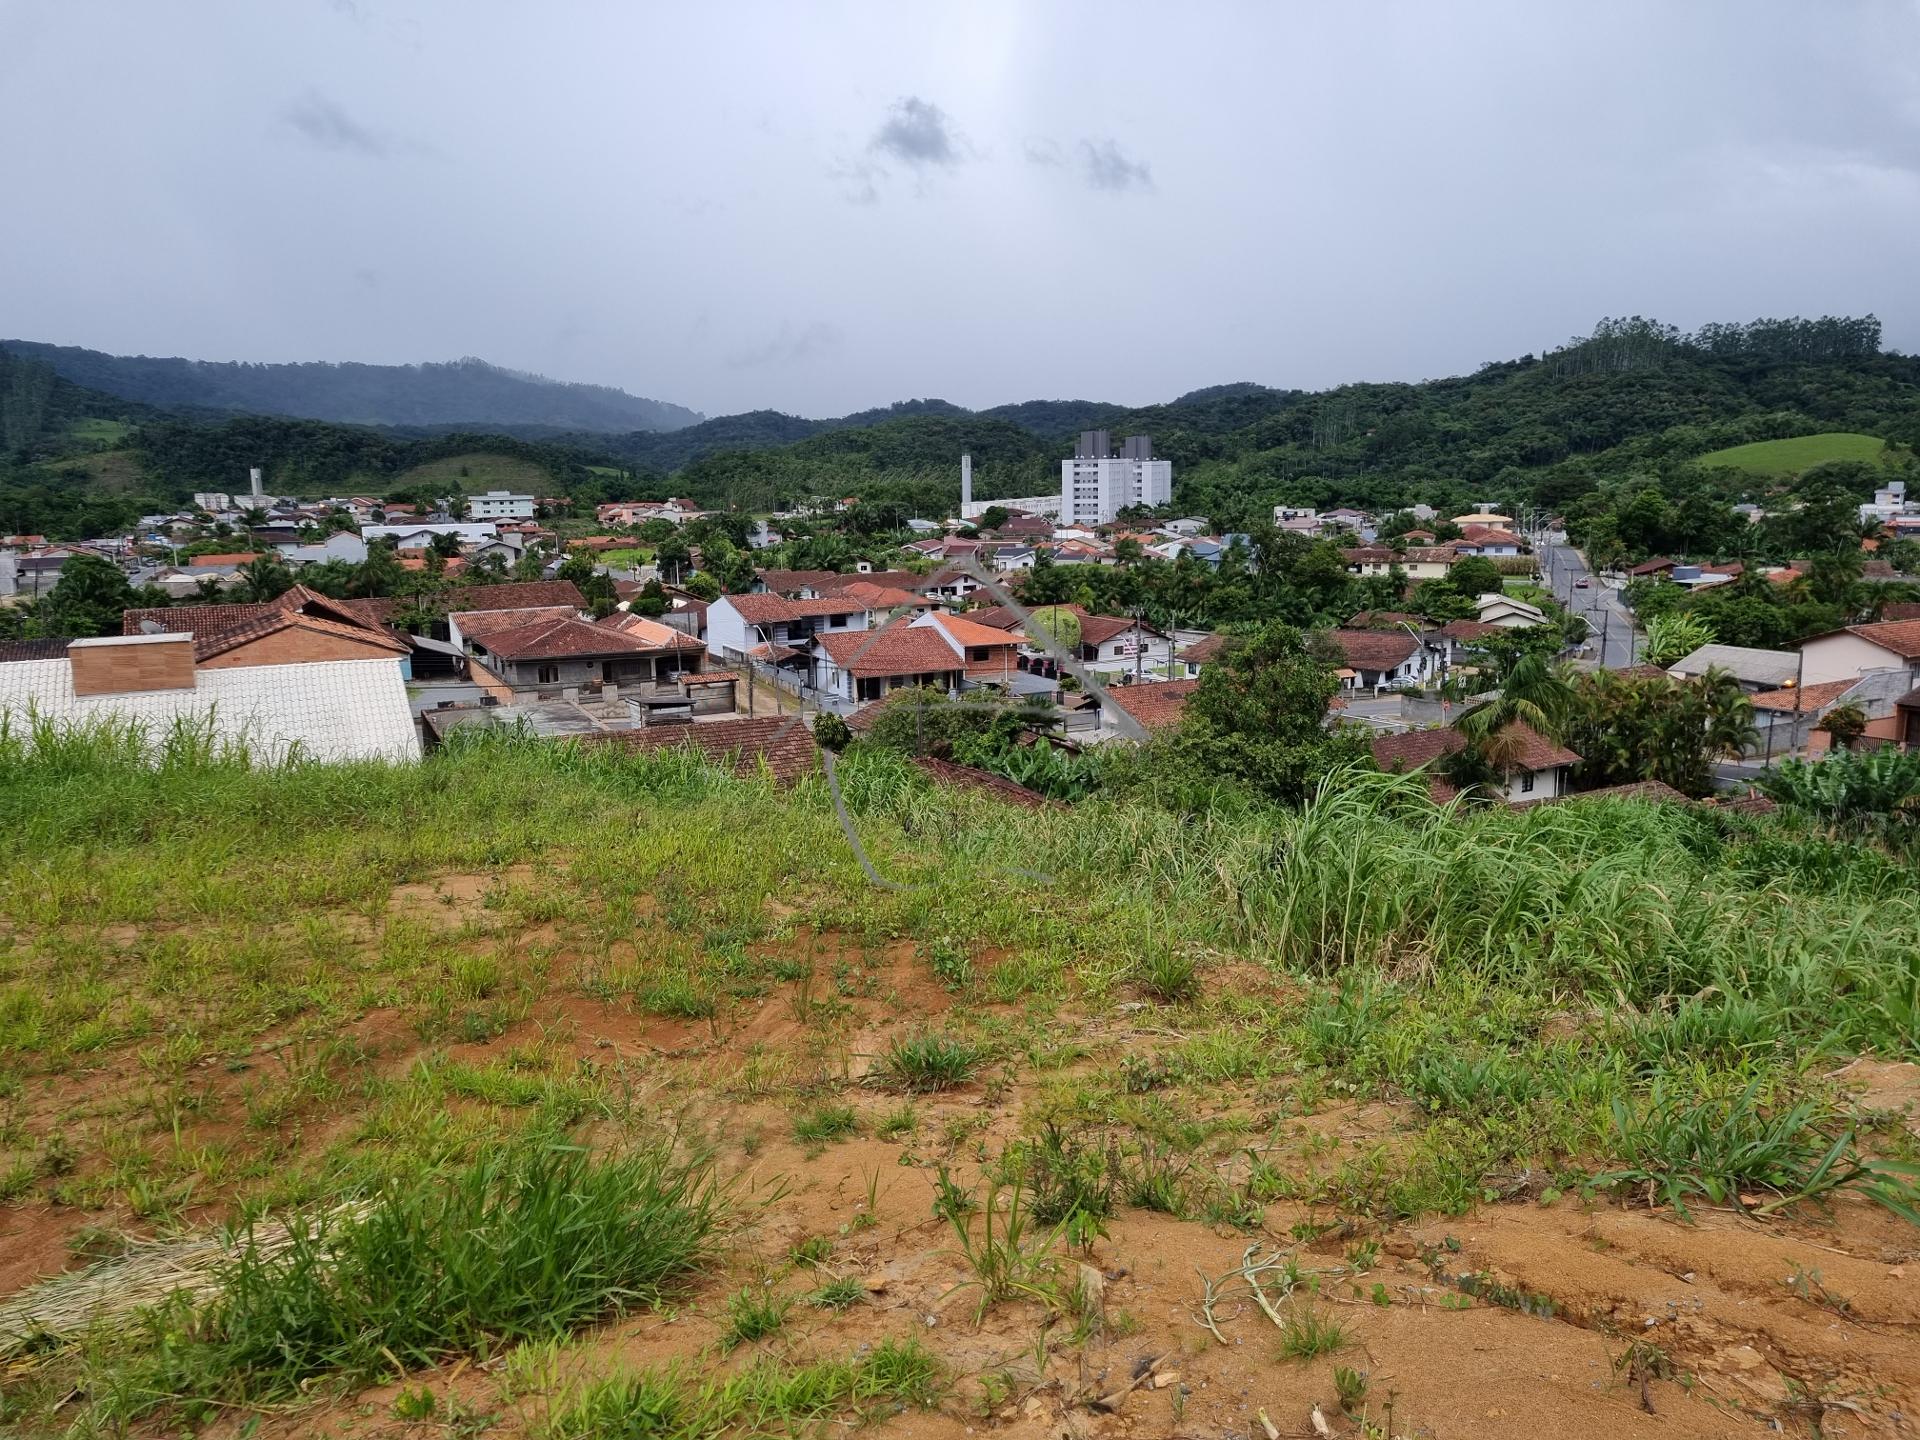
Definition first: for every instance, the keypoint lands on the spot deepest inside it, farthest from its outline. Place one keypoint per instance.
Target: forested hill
(468, 393)
(1634, 401)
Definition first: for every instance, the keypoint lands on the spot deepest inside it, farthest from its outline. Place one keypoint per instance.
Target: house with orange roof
(991, 656)
(860, 666)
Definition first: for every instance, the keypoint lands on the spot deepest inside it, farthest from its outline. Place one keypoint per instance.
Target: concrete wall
(1841, 657)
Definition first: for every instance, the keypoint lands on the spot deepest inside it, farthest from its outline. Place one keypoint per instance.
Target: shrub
(922, 1064)
(516, 1247)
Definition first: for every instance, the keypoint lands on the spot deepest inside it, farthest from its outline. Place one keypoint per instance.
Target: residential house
(1490, 541)
(1006, 558)
(1538, 771)
(1461, 636)
(1157, 706)
(860, 666)
(1383, 657)
(342, 545)
(1788, 718)
(1117, 645)
(776, 629)
(354, 709)
(566, 651)
(1202, 653)
(1509, 613)
(990, 655)
(951, 584)
(1431, 562)
(1483, 516)
(1853, 651)
(1755, 670)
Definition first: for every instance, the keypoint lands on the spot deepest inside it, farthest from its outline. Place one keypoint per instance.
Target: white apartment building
(500, 505)
(1097, 484)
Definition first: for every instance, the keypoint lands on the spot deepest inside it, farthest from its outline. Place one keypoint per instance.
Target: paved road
(1600, 606)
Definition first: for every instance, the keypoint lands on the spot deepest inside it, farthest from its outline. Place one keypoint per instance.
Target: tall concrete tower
(966, 485)
(259, 495)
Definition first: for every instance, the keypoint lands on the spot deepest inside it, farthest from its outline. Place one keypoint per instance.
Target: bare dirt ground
(1517, 1321)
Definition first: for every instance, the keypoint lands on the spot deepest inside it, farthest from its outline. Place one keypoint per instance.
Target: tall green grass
(517, 1247)
(770, 1397)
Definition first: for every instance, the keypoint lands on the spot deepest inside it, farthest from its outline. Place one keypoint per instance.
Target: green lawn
(106, 432)
(1803, 452)
(479, 471)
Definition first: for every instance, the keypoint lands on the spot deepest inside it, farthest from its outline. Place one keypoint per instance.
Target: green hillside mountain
(1635, 405)
(468, 393)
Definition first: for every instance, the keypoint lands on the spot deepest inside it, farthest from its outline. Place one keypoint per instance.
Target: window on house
(1526, 782)
(549, 675)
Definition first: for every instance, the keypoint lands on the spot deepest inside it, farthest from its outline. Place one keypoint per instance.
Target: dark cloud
(919, 133)
(790, 346)
(1108, 167)
(321, 121)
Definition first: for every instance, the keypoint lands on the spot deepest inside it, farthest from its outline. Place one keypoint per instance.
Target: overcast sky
(822, 207)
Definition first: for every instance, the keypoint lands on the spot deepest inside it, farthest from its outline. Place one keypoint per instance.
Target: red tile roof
(1806, 698)
(1158, 706)
(1902, 637)
(1374, 649)
(1206, 650)
(896, 650)
(883, 597)
(237, 557)
(190, 619)
(658, 634)
(783, 742)
(1468, 631)
(971, 633)
(967, 777)
(477, 624)
(233, 637)
(896, 579)
(996, 617)
(1098, 629)
(1388, 620)
(767, 609)
(564, 637)
(516, 595)
(1418, 748)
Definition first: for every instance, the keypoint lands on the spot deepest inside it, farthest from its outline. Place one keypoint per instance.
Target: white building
(500, 505)
(312, 710)
(1096, 484)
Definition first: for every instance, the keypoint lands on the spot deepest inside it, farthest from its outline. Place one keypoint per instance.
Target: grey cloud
(324, 123)
(1042, 151)
(919, 133)
(790, 347)
(1108, 167)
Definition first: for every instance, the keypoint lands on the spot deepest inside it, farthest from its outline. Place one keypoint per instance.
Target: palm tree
(1533, 696)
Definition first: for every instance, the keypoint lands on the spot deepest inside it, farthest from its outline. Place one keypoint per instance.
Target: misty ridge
(465, 392)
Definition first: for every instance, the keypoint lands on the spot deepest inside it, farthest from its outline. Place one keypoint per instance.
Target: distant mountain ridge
(466, 393)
